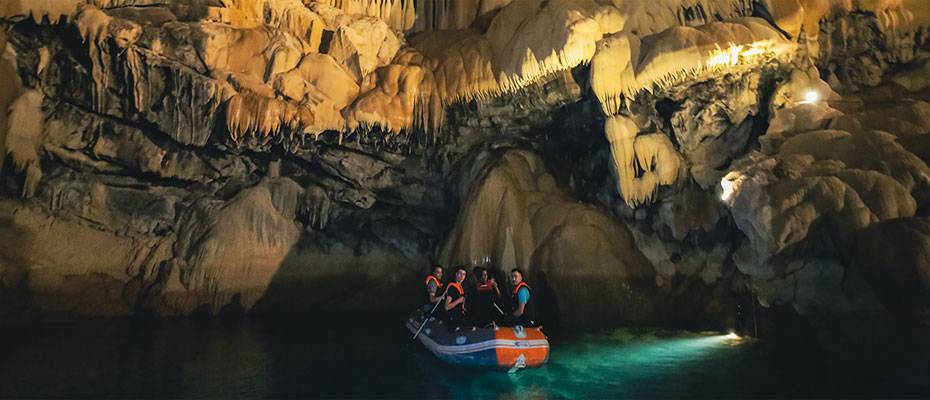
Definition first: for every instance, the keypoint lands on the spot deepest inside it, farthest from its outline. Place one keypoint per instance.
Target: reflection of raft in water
(503, 347)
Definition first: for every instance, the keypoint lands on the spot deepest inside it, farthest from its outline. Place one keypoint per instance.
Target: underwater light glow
(732, 335)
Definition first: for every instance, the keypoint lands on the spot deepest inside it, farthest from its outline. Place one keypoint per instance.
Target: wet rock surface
(163, 160)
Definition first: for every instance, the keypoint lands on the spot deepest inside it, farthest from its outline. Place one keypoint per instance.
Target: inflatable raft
(501, 347)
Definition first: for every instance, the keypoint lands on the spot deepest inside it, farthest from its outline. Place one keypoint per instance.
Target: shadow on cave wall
(14, 273)
(315, 279)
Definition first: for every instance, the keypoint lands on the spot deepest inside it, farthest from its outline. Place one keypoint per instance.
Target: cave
(727, 188)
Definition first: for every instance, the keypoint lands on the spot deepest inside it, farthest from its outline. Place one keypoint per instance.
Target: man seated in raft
(523, 311)
(455, 299)
(434, 286)
(484, 299)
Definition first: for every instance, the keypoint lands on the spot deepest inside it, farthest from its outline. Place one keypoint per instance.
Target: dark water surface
(373, 357)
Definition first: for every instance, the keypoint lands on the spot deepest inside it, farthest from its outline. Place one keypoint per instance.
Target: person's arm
(432, 288)
(450, 304)
(496, 288)
(523, 296)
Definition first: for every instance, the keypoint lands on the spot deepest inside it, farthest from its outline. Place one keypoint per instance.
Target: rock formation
(654, 163)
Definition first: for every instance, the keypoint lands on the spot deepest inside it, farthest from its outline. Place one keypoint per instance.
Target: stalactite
(796, 16)
(612, 69)
(290, 16)
(642, 162)
(251, 116)
(528, 42)
(533, 40)
(399, 14)
(24, 137)
(399, 98)
(461, 63)
(625, 66)
(10, 90)
(93, 25)
(39, 10)
(621, 133)
(632, 47)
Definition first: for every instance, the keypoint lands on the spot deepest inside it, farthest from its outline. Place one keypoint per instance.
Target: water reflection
(364, 357)
(130, 360)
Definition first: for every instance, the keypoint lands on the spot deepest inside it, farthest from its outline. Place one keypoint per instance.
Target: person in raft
(485, 297)
(523, 311)
(455, 299)
(433, 286)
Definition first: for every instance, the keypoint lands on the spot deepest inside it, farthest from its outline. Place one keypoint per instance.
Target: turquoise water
(373, 357)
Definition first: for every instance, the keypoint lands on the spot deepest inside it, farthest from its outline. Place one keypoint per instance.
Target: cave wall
(249, 156)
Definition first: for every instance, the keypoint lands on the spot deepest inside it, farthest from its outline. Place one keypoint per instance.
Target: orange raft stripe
(507, 356)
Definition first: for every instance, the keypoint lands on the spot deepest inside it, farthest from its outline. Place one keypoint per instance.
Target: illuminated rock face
(516, 216)
(819, 191)
(240, 155)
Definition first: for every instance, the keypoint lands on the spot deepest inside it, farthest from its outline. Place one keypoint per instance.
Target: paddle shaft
(430, 315)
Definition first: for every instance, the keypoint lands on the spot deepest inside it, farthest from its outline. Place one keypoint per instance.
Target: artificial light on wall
(730, 187)
(727, 189)
(811, 97)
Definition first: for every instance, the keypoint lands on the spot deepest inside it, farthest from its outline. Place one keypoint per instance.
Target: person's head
(481, 274)
(516, 276)
(437, 271)
(460, 274)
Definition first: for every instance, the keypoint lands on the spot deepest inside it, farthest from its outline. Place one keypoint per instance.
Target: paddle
(430, 315)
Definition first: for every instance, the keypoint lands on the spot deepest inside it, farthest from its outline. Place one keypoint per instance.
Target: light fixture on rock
(811, 96)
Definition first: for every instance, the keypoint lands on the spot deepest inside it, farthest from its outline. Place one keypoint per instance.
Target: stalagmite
(240, 245)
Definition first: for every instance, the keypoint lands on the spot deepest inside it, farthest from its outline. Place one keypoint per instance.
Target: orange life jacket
(458, 287)
(529, 310)
(435, 279)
